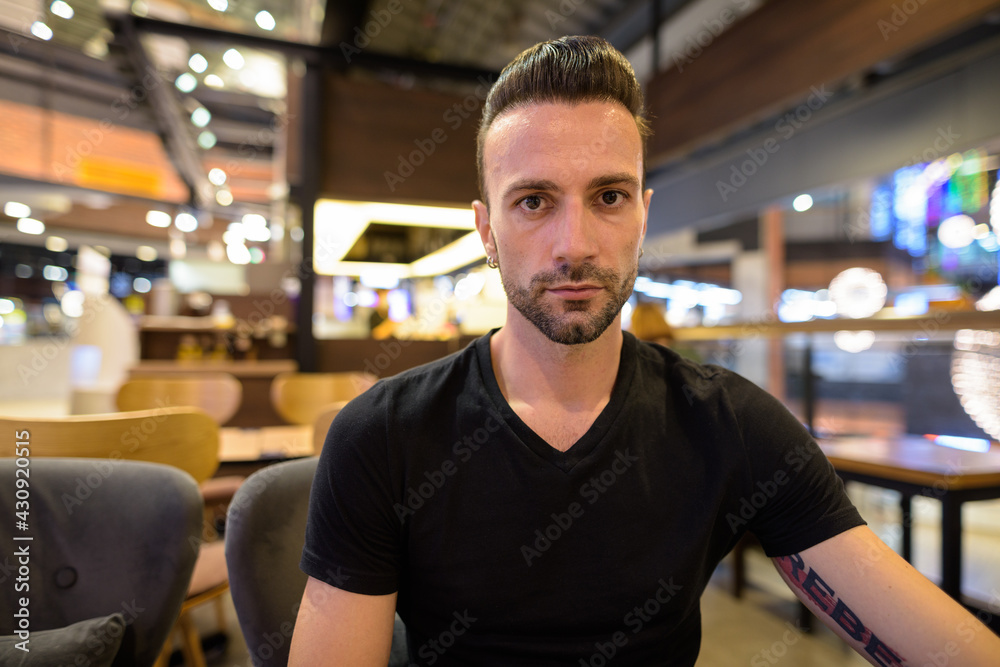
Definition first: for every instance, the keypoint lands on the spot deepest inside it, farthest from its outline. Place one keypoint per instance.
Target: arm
(882, 607)
(335, 627)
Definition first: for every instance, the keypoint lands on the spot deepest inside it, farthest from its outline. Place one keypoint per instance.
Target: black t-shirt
(506, 551)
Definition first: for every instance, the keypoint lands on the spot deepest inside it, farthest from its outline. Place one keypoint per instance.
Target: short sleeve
(353, 537)
(796, 499)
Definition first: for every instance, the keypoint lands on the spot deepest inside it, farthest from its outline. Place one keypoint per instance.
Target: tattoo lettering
(809, 582)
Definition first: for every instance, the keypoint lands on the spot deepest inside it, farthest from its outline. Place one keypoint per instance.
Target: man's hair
(568, 69)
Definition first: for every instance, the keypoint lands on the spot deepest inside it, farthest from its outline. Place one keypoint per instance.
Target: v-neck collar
(595, 434)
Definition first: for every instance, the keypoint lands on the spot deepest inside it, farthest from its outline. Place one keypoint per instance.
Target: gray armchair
(265, 531)
(109, 558)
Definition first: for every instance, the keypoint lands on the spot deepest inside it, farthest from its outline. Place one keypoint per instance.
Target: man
(559, 493)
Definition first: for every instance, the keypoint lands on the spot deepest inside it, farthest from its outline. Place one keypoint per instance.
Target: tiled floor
(760, 629)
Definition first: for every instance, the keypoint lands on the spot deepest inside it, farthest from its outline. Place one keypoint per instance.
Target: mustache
(574, 273)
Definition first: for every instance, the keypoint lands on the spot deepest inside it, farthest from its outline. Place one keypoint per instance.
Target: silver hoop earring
(491, 262)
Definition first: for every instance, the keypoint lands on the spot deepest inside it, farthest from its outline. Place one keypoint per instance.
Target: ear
(647, 196)
(484, 228)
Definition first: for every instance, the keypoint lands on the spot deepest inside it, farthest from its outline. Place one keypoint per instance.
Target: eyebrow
(614, 179)
(530, 184)
(551, 186)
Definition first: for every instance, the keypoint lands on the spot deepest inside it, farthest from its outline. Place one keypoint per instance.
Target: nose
(575, 233)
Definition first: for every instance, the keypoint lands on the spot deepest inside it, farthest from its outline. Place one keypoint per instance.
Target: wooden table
(245, 450)
(255, 377)
(913, 466)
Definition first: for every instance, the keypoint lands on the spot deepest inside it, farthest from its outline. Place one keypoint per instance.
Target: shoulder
(700, 380)
(414, 387)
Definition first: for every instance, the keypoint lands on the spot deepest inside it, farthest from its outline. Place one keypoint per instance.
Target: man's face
(566, 213)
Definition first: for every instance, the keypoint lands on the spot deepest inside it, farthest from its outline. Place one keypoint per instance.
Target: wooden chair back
(218, 394)
(300, 398)
(184, 437)
(322, 425)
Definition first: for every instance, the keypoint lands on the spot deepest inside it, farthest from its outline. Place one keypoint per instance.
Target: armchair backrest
(183, 437)
(218, 394)
(302, 397)
(107, 537)
(265, 532)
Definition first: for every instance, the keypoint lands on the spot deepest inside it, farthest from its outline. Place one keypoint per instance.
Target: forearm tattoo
(809, 582)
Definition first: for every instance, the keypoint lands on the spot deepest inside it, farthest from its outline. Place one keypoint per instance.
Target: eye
(613, 197)
(531, 202)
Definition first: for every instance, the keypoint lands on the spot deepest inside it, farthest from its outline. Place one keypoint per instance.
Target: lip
(574, 291)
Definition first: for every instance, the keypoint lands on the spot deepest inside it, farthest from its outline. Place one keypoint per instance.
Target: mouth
(576, 291)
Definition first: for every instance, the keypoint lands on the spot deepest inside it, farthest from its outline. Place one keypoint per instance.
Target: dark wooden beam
(773, 59)
(383, 143)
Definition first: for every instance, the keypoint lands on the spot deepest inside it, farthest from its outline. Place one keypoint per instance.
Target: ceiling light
(957, 231)
(462, 252)
(265, 20)
(854, 341)
(186, 82)
(802, 203)
(96, 47)
(15, 209)
(238, 253)
(61, 9)
(55, 273)
(158, 218)
(234, 59)
(858, 292)
(224, 197)
(255, 228)
(201, 117)
(219, 5)
(234, 234)
(214, 81)
(206, 139)
(178, 249)
(198, 63)
(30, 226)
(186, 222)
(56, 244)
(41, 31)
(146, 253)
(217, 176)
(72, 303)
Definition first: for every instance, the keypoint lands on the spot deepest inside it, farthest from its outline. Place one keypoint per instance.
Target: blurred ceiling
(213, 140)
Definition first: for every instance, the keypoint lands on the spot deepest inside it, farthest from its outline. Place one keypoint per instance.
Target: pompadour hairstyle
(568, 69)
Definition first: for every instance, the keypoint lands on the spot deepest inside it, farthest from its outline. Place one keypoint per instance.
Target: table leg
(906, 519)
(951, 546)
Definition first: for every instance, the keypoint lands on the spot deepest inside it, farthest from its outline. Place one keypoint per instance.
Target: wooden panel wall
(383, 143)
(774, 57)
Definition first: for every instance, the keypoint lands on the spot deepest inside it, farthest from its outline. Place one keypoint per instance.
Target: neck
(532, 369)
